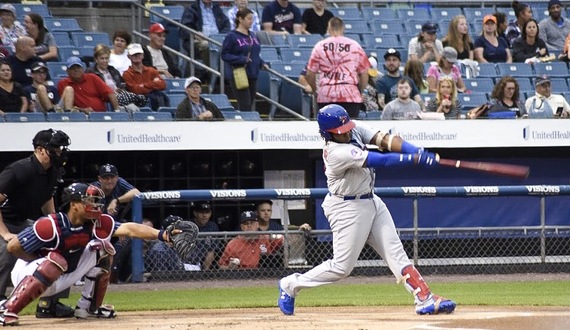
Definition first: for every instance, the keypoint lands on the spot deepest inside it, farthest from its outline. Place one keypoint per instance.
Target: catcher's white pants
(87, 261)
(353, 223)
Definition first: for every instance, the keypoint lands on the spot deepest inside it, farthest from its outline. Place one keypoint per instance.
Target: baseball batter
(61, 248)
(356, 215)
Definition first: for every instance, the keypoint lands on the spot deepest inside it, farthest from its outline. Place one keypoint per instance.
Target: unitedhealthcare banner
(240, 135)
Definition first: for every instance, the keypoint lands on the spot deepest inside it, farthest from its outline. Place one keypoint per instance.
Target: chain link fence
(278, 253)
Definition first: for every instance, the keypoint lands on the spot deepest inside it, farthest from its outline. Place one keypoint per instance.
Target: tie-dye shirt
(339, 60)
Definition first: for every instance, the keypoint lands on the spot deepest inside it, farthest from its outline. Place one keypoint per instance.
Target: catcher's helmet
(170, 220)
(91, 196)
(333, 118)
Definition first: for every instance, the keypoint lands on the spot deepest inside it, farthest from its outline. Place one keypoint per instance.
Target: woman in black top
(12, 95)
(529, 45)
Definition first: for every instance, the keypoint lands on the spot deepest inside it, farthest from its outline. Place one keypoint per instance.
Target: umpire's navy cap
(108, 169)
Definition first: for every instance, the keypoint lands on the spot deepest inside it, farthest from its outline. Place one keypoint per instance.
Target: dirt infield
(323, 318)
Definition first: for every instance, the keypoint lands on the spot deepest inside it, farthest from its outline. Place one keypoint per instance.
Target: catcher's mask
(92, 197)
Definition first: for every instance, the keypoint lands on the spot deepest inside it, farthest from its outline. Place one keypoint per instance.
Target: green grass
(543, 293)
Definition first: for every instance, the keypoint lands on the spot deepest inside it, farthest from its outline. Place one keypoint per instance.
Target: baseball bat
(514, 171)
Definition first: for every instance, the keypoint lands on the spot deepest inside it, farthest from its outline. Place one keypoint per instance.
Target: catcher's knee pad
(32, 286)
(414, 282)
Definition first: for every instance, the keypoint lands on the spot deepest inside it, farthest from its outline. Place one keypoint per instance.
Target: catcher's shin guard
(32, 286)
(94, 290)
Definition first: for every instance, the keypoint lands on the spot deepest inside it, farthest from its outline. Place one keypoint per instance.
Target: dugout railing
(469, 250)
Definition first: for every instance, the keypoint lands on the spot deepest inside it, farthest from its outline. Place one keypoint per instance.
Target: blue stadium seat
(249, 115)
(293, 97)
(373, 115)
(372, 13)
(525, 84)
(381, 41)
(476, 14)
(279, 40)
(269, 55)
(175, 85)
(362, 115)
(472, 100)
(487, 70)
(354, 36)
(90, 39)
(515, 69)
(559, 85)
(109, 116)
(415, 14)
(346, 13)
(24, 117)
(25, 9)
(220, 100)
(145, 109)
(380, 27)
(444, 14)
(62, 25)
(304, 40)
(57, 69)
(66, 116)
(481, 85)
(2, 120)
(554, 69)
(171, 110)
(62, 39)
(172, 12)
(295, 55)
(291, 70)
(176, 99)
(357, 26)
(66, 52)
(152, 116)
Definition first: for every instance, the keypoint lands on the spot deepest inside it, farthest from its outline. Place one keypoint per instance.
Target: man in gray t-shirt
(403, 107)
(554, 29)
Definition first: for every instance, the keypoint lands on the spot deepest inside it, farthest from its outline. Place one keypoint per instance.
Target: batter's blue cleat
(435, 305)
(285, 302)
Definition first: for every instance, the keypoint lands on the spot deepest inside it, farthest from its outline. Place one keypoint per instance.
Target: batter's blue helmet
(333, 119)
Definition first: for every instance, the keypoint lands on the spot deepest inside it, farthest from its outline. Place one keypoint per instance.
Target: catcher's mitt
(185, 241)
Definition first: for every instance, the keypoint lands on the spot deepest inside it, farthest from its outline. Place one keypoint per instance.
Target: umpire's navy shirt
(27, 187)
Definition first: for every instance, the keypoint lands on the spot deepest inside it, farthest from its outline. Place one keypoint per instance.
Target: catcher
(61, 248)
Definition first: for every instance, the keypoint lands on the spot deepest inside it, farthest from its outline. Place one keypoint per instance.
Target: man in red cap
(156, 56)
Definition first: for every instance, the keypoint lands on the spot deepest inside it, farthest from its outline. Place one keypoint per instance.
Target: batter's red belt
(350, 198)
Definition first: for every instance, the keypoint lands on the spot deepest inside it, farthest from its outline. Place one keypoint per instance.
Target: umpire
(27, 187)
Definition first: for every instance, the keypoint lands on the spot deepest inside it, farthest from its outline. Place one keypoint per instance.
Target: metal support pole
(542, 229)
(416, 232)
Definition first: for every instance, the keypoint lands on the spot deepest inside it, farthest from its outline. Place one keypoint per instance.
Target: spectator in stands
(316, 19)
(245, 251)
(119, 58)
(489, 48)
(281, 17)
(145, 80)
(554, 29)
(156, 56)
(445, 67)
(565, 55)
(445, 100)
(458, 38)
(3, 51)
(529, 48)
(506, 97)
(241, 48)
(545, 104)
(46, 47)
(502, 26)
(403, 107)
(414, 69)
(113, 78)
(343, 68)
(22, 60)
(370, 94)
(264, 210)
(194, 106)
(119, 193)
(43, 97)
(12, 95)
(85, 91)
(10, 29)
(207, 247)
(387, 86)
(523, 13)
(232, 12)
(426, 47)
(207, 18)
